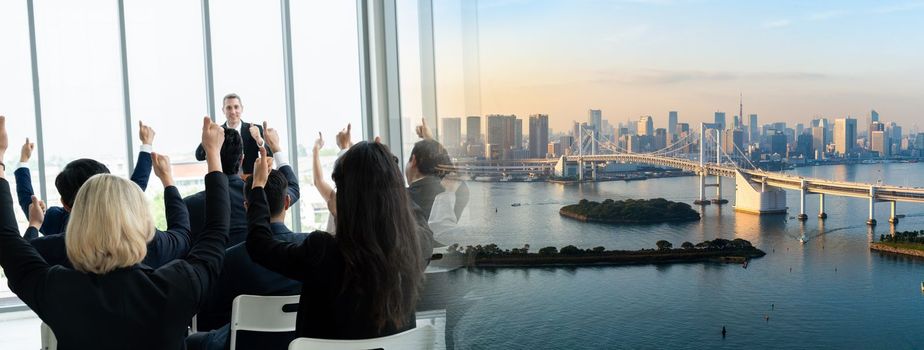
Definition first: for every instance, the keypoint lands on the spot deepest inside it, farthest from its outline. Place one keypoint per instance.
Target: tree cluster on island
(631, 211)
(663, 247)
(903, 237)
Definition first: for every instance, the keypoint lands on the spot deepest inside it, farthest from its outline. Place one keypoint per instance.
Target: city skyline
(632, 58)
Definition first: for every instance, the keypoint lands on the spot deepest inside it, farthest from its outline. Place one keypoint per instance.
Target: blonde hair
(110, 225)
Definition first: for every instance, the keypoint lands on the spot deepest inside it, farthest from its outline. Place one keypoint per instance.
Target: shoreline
(615, 258)
(585, 218)
(882, 247)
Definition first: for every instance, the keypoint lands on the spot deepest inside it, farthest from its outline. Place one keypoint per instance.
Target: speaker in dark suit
(233, 107)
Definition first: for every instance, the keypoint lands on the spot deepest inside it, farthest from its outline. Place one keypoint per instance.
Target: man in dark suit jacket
(166, 246)
(251, 134)
(71, 178)
(231, 153)
(240, 275)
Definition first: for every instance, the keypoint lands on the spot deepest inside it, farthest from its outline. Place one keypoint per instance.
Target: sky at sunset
(792, 60)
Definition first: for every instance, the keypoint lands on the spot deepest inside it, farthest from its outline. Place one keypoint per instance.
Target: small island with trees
(717, 250)
(630, 211)
(907, 243)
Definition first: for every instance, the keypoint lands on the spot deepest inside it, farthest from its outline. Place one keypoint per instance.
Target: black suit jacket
(238, 232)
(240, 275)
(163, 248)
(251, 150)
(324, 310)
(136, 307)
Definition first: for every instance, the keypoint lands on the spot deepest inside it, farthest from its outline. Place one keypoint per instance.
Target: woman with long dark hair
(364, 282)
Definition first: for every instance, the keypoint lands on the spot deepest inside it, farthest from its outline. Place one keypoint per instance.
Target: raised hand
(4, 142)
(319, 143)
(26, 153)
(261, 169)
(162, 168)
(255, 134)
(36, 212)
(212, 137)
(145, 133)
(423, 131)
(272, 138)
(344, 140)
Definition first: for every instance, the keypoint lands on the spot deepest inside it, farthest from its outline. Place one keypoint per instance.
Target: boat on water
(922, 286)
(515, 205)
(802, 240)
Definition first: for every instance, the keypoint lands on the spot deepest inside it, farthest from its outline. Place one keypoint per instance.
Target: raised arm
(208, 247)
(326, 190)
(174, 242)
(292, 260)
(142, 172)
(282, 162)
(24, 191)
(24, 268)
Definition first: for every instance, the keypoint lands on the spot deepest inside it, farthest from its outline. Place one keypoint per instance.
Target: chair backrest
(49, 342)
(422, 337)
(263, 314)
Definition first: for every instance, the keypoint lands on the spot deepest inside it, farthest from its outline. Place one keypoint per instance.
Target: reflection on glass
(326, 76)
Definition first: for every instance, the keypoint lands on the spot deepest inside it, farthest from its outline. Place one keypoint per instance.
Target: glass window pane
(167, 84)
(79, 68)
(247, 60)
(327, 95)
(16, 100)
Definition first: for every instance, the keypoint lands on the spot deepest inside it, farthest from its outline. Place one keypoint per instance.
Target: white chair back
(263, 314)
(49, 342)
(422, 337)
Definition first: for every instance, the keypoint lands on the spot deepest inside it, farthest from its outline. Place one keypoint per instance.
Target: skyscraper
(753, 128)
(451, 134)
(720, 120)
(672, 123)
(879, 142)
(645, 126)
(473, 130)
(538, 135)
(895, 135)
(500, 136)
(517, 133)
(595, 119)
(845, 136)
(819, 141)
(873, 116)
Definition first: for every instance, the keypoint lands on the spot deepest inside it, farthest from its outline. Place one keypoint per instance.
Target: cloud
(908, 6)
(779, 23)
(628, 34)
(666, 77)
(826, 15)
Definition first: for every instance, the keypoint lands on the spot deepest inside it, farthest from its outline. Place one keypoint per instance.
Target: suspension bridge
(757, 191)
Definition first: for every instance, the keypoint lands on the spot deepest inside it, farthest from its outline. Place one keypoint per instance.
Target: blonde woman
(109, 300)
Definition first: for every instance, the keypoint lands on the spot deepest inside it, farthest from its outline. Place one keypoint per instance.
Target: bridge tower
(702, 166)
(718, 161)
(872, 206)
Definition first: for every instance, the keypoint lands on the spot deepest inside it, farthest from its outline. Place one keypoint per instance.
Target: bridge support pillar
(702, 191)
(821, 207)
(893, 219)
(802, 216)
(872, 207)
(593, 171)
(581, 170)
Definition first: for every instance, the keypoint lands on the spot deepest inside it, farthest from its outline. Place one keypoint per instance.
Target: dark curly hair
(74, 175)
(432, 158)
(231, 152)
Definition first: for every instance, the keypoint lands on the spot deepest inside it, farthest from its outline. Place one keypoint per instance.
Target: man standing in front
(251, 134)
